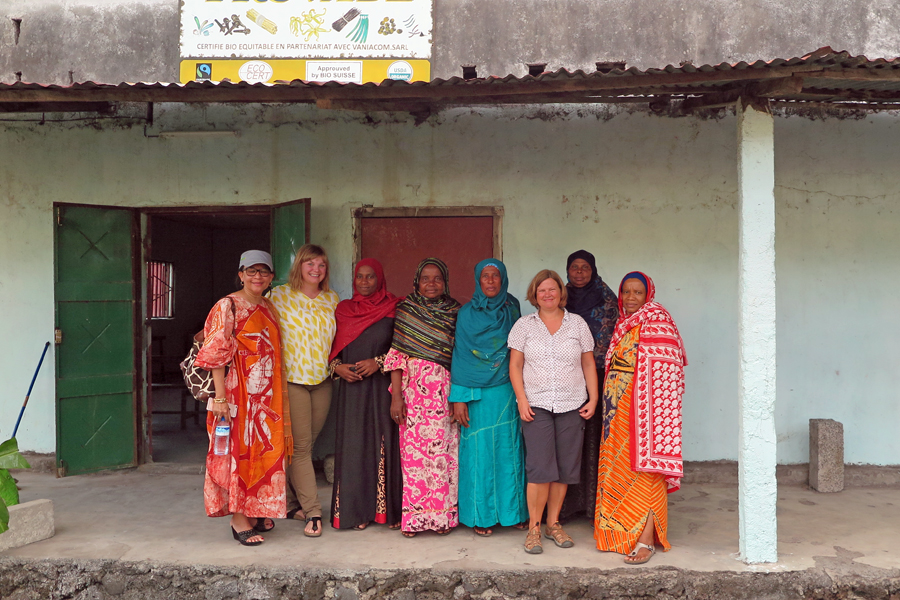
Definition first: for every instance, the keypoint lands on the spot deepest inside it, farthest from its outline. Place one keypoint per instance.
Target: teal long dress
(491, 451)
(491, 458)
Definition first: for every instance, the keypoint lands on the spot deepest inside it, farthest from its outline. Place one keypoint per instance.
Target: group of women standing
(448, 414)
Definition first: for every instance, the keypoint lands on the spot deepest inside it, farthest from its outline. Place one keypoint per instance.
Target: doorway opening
(114, 363)
(192, 262)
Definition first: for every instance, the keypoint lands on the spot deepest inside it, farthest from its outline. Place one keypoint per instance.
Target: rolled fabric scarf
(658, 386)
(640, 277)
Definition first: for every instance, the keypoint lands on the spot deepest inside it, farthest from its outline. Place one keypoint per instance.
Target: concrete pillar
(756, 334)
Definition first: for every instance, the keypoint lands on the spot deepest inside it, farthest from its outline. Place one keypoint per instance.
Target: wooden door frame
(142, 323)
(372, 212)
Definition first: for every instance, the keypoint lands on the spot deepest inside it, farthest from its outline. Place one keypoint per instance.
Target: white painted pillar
(756, 334)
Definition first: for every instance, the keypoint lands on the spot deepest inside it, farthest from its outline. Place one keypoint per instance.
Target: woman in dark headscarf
(593, 300)
(419, 362)
(367, 456)
(491, 455)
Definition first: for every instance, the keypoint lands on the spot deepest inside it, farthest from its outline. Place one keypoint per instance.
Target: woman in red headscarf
(640, 451)
(367, 478)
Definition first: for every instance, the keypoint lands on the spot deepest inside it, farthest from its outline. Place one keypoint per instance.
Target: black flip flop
(317, 527)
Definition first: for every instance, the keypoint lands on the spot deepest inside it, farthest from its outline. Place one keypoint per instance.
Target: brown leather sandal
(533, 540)
(560, 538)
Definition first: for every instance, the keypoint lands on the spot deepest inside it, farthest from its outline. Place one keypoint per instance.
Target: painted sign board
(355, 41)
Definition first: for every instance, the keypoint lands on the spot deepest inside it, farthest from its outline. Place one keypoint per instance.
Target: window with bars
(161, 285)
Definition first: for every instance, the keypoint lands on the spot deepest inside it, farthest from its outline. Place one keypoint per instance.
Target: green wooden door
(95, 357)
(290, 230)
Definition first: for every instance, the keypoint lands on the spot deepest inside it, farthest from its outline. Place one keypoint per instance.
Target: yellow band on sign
(353, 70)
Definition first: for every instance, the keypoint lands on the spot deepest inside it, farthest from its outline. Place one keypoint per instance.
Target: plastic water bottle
(223, 433)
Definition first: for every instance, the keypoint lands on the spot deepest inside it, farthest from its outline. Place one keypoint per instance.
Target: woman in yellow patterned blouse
(306, 308)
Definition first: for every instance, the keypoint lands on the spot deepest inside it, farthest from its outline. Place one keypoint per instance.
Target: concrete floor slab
(148, 516)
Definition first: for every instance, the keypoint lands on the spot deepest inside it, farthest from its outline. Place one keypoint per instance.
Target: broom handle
(30, 387)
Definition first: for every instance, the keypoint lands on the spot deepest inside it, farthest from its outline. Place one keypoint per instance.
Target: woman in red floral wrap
(242, 333)
(640, 454)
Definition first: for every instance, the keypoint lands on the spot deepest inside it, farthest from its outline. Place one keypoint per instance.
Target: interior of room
(194, 261)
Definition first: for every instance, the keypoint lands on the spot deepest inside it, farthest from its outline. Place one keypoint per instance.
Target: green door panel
(94, 247)
(94, 342)
(97, 433)
(95, 361)
(91, 386)
(75, 291)
(290, 230)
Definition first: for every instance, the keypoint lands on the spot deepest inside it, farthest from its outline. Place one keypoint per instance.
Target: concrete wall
(838, 282)
(641, 192)
(113, 41)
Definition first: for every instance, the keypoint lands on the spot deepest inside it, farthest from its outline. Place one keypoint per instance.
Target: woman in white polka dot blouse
(554, 376)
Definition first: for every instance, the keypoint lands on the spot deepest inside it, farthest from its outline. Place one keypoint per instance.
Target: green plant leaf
(9, 493)
(10, 458)
(4, 517)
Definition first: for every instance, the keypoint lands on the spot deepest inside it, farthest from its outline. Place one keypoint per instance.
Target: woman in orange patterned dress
(242, 333)
(640, 454)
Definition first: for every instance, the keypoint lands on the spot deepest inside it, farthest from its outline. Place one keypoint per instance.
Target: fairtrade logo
(204, 71)
(255, 71)
(400, 70)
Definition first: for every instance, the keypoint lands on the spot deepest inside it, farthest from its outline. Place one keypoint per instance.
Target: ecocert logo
(255, 71)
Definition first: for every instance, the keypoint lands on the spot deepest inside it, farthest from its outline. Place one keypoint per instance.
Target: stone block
(826, 455)
(28, 522)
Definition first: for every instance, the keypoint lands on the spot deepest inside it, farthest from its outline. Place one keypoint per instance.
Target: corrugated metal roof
(823, 76)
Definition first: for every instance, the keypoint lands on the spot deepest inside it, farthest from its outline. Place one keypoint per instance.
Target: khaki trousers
(309, 408)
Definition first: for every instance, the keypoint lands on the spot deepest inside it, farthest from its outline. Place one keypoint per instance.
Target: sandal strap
(246, 535)
(558, 533)
(533, 538)
(641, 545)
(260, 524)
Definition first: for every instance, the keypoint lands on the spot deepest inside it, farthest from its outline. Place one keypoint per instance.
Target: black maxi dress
(581, 498)
(367, 476)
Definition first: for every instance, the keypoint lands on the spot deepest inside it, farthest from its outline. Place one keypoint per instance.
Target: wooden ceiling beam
(33, 107)
(836, 105)
(711, 101)
(854, 94)
(774, 88)
(374, 106)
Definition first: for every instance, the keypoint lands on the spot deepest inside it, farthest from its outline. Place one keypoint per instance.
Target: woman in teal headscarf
(491, 454)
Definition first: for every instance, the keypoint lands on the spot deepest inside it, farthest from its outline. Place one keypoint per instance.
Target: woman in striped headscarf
(419, 362)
